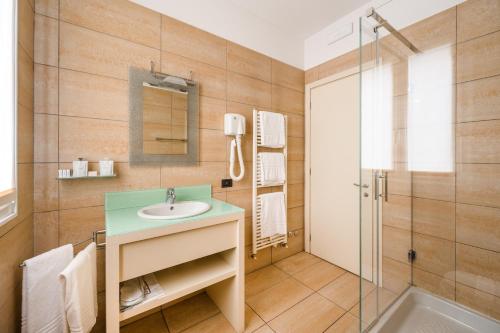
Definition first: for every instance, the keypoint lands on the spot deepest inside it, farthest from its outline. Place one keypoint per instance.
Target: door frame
(307, 168)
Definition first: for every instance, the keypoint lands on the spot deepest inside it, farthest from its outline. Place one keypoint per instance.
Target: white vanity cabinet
(185, 257)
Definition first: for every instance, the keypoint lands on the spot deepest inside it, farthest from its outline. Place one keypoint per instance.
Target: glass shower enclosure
(407, 145)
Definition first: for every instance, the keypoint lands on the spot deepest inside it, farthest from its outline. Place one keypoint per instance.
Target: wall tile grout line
(20, 46)
(455, 96)
(478, 121)
(478, 247)
(476, 37)
(105, 33)
(480, 290)
(161, 163)
(84, 72)
(94, 118)
(478, 79)
(58, 120)
(32, 7)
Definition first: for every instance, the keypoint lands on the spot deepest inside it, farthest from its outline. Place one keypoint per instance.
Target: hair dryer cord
(236, 145)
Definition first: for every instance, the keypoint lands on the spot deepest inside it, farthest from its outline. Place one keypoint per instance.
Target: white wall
(399, 13)
(229, 21)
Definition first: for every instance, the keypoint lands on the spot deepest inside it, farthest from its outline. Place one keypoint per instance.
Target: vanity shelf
(86, 177)
(181, 280)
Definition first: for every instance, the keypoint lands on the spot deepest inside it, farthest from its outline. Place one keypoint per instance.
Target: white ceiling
(301, 18)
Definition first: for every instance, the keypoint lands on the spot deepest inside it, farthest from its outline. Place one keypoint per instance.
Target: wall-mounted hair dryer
(234, 124)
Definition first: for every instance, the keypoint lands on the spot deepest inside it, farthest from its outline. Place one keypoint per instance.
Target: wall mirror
(163, 118)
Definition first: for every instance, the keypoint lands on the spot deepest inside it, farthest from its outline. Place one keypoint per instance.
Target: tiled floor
(301, 293)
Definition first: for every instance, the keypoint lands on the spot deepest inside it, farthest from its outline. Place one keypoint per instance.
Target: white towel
(79, 281)
(273, 214)
(271, 168)
(42, 304)
(272, 129)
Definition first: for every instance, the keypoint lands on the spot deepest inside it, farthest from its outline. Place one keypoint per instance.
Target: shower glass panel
(383, 97)
(408, 144)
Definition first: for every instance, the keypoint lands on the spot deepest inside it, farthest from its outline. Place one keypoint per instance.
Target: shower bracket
(412, 255)
(383, 23)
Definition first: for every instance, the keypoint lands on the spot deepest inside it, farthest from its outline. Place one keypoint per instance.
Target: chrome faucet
(170, 196)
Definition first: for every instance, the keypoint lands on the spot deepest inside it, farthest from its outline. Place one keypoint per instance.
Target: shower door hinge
(412, 255)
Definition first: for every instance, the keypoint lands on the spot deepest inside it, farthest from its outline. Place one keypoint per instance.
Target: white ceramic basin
(181, 209)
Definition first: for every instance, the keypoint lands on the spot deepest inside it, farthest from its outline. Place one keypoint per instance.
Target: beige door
(334, 160)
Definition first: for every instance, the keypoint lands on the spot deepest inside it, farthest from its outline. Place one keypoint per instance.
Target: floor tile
(346, 324)
(314, 314)
(319, 275)
(189, 312)
(264, 329)
(369, 306)
(263, 279)
(279, 298)
(297, 262)
(215, 324)
(252, 320)
(344, 290)
(150, 324)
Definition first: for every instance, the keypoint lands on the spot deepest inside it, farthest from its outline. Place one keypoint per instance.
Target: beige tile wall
(83, 50)
(16, 237)
(455, 216)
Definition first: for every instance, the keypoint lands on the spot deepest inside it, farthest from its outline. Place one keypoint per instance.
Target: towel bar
(259, 242)
(94, 238)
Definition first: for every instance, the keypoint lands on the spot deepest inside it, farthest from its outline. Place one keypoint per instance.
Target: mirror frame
(136, 151)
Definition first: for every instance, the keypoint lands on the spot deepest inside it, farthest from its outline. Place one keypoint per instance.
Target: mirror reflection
(165, 114)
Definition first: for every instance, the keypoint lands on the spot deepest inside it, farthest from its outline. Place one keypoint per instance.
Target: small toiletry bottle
(106, 167)
(80, 168)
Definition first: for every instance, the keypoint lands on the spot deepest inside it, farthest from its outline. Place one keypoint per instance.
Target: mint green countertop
(121, 208)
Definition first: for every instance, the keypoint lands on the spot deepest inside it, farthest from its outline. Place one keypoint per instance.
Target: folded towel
(272, 129)
(79, 281)
(271, 168)
(42, 302)
(273, 214)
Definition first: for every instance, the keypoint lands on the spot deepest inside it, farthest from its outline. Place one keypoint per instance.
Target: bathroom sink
(167, 211)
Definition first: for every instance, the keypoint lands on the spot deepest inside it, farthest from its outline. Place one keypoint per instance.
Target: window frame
(9, 198)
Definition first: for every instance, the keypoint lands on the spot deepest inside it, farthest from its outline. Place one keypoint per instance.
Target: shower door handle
(384, 177)
(363, 186)
(385, 194)
(386, 186)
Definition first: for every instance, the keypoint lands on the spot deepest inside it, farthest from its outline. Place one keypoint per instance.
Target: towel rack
(94, 238)
(259, 242)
